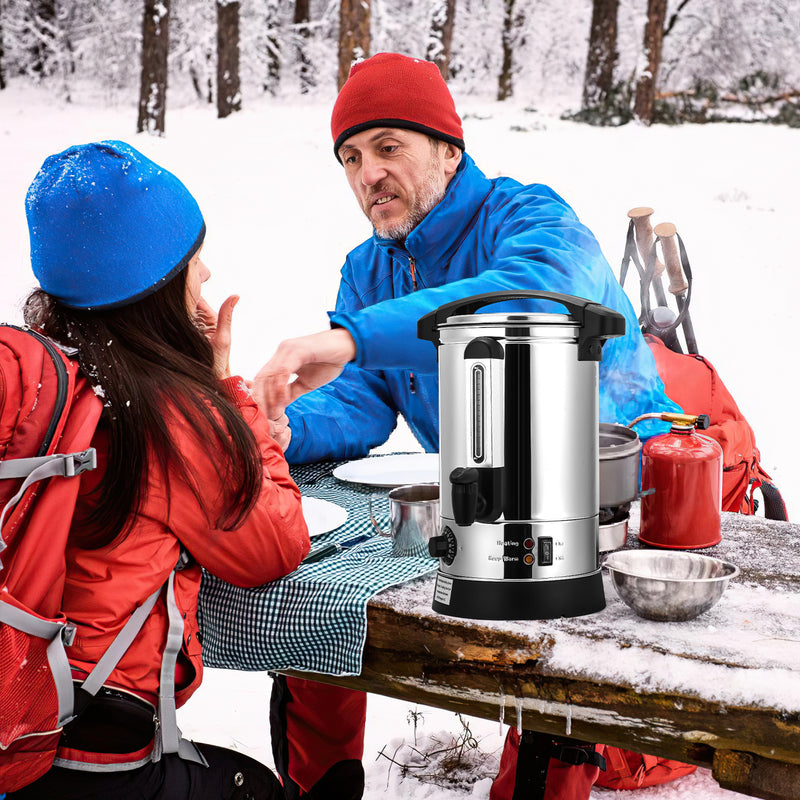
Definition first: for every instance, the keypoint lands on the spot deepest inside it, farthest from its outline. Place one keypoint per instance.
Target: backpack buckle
(81, 462)
(68, 635)
(575, 755)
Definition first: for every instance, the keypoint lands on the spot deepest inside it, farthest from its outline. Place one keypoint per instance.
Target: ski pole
(644, 241)
(678, 286)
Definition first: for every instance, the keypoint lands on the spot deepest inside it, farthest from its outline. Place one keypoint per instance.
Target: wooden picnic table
(721, 691)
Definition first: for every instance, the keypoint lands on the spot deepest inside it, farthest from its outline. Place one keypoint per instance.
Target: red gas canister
(681, 489)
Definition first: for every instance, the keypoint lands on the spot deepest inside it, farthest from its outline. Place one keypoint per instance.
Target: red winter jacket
(104, 586)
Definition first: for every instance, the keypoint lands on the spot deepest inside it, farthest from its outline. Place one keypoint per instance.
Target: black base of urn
(507, 599)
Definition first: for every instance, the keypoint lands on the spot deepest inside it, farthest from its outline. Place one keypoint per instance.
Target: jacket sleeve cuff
(235, 389)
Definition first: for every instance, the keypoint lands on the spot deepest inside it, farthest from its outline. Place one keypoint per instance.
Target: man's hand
(217, 328)
(315, 360)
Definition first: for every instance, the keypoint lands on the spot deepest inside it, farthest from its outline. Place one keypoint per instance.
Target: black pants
(229, 776)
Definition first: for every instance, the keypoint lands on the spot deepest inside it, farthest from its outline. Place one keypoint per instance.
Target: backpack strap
(169, 738)
(37, 469)
(122, 641)
(59, 635)
(774, 505)
(617, 764)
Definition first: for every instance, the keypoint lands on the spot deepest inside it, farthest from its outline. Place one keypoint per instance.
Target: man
(442, 231)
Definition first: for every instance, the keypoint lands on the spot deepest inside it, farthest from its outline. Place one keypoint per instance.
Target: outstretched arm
(315, 359)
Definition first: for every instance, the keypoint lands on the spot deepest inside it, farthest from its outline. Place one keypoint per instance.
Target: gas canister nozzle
(699, 421)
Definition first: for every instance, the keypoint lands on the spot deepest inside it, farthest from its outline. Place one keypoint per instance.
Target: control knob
(443, 546)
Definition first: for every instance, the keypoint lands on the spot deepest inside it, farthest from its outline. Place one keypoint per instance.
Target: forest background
(600, 61)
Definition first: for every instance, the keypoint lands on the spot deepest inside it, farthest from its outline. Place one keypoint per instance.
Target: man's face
(397, 176)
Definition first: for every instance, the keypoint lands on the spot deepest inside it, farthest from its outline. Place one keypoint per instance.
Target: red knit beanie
(395, 91)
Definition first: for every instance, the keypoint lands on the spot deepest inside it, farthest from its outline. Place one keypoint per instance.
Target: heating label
(444, 588)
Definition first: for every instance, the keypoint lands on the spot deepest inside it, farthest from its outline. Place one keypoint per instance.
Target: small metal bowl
(667, 586)
(614, 529)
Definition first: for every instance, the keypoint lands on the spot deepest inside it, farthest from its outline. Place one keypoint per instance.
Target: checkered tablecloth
(314, 619)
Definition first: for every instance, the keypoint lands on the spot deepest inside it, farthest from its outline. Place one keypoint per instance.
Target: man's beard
(429, 194)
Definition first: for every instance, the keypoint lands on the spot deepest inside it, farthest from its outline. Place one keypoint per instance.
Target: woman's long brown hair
(143, 359)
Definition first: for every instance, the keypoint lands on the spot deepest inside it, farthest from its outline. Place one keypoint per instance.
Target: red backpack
(44, 407)
(689, 378)
(628, 770)
(693, 383)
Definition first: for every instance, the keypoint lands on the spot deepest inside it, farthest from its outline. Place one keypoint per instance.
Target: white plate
(322, 516)
(389, 471)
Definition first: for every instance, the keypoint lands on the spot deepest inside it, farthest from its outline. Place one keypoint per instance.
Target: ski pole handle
(644, 233)
(666, 233)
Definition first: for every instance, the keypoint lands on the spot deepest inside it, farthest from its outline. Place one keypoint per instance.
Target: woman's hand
(280, 431)
(217, 328)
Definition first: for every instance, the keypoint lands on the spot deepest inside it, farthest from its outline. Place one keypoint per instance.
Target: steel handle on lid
(597, 323)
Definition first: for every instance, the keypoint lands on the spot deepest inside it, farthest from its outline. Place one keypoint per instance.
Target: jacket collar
(438, 236)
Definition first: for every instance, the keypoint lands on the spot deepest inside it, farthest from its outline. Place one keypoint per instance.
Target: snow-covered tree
(602, 55)
(441, 37)
(229, 88)
(302, 32)
(153, 88)
(273, 46)
(648, 79)
(354, 35)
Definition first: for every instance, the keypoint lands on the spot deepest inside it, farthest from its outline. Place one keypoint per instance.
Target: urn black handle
(597, 323)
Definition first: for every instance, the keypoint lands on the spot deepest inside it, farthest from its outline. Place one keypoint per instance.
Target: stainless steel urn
(518, 451)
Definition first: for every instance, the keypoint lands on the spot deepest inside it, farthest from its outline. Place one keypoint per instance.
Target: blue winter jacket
(485, 235)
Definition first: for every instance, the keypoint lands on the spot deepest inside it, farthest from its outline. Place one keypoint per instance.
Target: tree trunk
(653, 39)
(43, 27)
(602, 57)
(229, 90)
(505, 84)
(155, 47)
(354, 42)
(441, 40)
(2, 51)
(302, 16)
(273, 47)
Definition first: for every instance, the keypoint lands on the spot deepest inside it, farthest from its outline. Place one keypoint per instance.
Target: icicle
(569, 720)
(502, 713)
(518, 707)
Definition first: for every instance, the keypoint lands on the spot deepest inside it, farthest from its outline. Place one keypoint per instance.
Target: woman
(187, 471)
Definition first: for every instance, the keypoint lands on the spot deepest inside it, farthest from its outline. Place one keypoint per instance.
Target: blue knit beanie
(108, 226)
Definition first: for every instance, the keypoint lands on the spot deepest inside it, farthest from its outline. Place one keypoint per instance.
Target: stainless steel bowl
(668, 586)
(613, 534)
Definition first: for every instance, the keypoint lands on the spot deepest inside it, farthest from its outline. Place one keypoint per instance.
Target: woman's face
(197, 273)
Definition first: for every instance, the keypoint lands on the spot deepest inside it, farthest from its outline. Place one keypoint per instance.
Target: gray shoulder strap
(168, 736)
(37, 469)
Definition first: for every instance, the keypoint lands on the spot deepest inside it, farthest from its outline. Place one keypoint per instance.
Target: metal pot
(619, 465)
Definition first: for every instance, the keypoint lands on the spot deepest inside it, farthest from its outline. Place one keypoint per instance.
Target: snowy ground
(281, 220)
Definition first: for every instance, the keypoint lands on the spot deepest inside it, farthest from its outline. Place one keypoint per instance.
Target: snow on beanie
(395, 91)
(108, 226)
